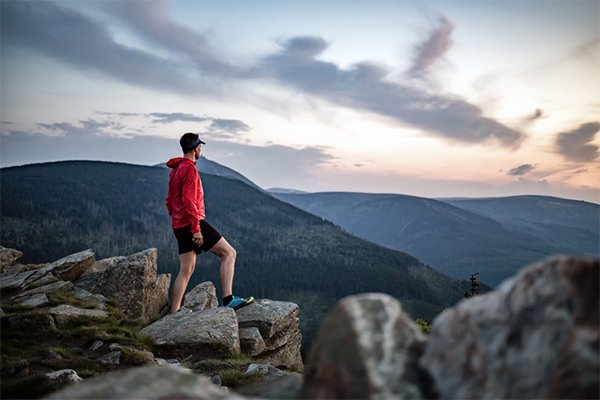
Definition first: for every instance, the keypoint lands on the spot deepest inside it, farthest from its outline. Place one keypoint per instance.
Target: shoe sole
(241, 305)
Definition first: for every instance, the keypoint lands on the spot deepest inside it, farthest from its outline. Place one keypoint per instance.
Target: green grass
(132, 358)
(239, 358)
(15, 308)
(234, 378)
(60, 298)
(423, 326)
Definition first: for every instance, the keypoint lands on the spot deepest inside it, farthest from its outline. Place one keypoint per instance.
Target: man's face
(198, 150)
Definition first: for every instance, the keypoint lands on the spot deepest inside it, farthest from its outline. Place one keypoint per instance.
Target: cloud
(521, 170)
(576, 145)
(536, 115)
(364, 86)
(69, 36)
(198, 69)
(167, 118)
(229, 127)
(433, 48)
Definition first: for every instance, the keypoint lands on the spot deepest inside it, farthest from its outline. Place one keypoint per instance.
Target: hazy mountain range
(495, 237)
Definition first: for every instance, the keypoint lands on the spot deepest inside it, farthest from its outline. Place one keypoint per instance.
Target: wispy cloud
(575, 145)
(365, 86)
(167, 118)
(433, 48)
(521, 170)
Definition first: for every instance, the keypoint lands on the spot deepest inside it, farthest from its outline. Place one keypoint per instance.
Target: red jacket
(185, 200)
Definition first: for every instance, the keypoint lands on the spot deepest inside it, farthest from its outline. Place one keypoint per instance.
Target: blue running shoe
(237, 302)
(184, 310)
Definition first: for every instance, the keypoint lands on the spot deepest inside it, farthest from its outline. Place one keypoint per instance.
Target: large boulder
(202, 297)
(60, 286)
(367, 348)
(65, 312)
(132, 281)
(68, 268)
(186, 333)
(277, 323)
(155, 382)
(536, 336)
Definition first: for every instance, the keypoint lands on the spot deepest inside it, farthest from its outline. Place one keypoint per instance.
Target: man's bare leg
(187, 263)
(227, 255)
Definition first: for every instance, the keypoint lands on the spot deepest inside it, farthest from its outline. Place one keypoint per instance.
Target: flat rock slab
(60, 286)
(17, 279)
(35, 300)
(155, 382)
(196, 330)
(68, 268)
(268, 316)
(97, 299)
(65, 312)
(100, 265)
(536, 336)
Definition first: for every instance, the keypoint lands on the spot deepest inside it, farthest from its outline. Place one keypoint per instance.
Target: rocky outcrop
(368, 348)
(269, 331)
(536, 336)
(158, 382)
(65, 312)
(202, 297)
(196, 332)
(132, 281)
(100, 265)
(8, 257)
(68, 268)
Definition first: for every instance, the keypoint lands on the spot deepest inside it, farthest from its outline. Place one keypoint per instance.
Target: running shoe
(184, 310)
(237, 302)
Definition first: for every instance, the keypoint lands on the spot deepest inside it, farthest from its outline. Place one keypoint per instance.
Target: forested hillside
(51, 210)
(457, 241)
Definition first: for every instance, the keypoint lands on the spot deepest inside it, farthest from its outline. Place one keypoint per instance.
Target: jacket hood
(174, 161)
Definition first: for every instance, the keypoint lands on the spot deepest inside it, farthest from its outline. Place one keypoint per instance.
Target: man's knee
(230, 253)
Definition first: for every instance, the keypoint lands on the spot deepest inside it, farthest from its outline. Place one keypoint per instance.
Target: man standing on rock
(194, 234)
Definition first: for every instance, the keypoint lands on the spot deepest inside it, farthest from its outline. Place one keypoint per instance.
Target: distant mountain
(540, 209)
(206, 166)
(283, 253)
(451, 240)
(285, 191)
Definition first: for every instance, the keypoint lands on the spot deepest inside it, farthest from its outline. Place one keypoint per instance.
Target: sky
(425, 98)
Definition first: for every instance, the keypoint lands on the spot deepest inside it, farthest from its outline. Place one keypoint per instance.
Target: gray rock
(268, 316)
(195, 331)
(100, 265)
(8, 256)
(111, 358)
(367, 348)
(288, 355)
(536, 336)
(202, 297)
(265, 370)
(284, 388)
(63, 375)
(65, 312)
(68, 268)
(60, 286)
(23, 374)
(14, 279)
(48, 321)
(133, 282)
(44, 280)
(154, 382)
(89, 281)
(14, 368)
(96, 345)
(251, 342)
(53, 355)
(216, 379)
(35, 300)
(97, 299)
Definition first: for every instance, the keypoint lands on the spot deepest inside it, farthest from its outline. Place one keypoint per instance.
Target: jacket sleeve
(189, 193)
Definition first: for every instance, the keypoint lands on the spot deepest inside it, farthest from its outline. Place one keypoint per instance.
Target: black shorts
(184, 238)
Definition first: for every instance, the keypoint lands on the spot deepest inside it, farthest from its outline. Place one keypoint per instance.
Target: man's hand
(197, 238)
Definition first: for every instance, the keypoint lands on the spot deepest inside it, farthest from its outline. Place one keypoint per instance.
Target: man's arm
(189, 192)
